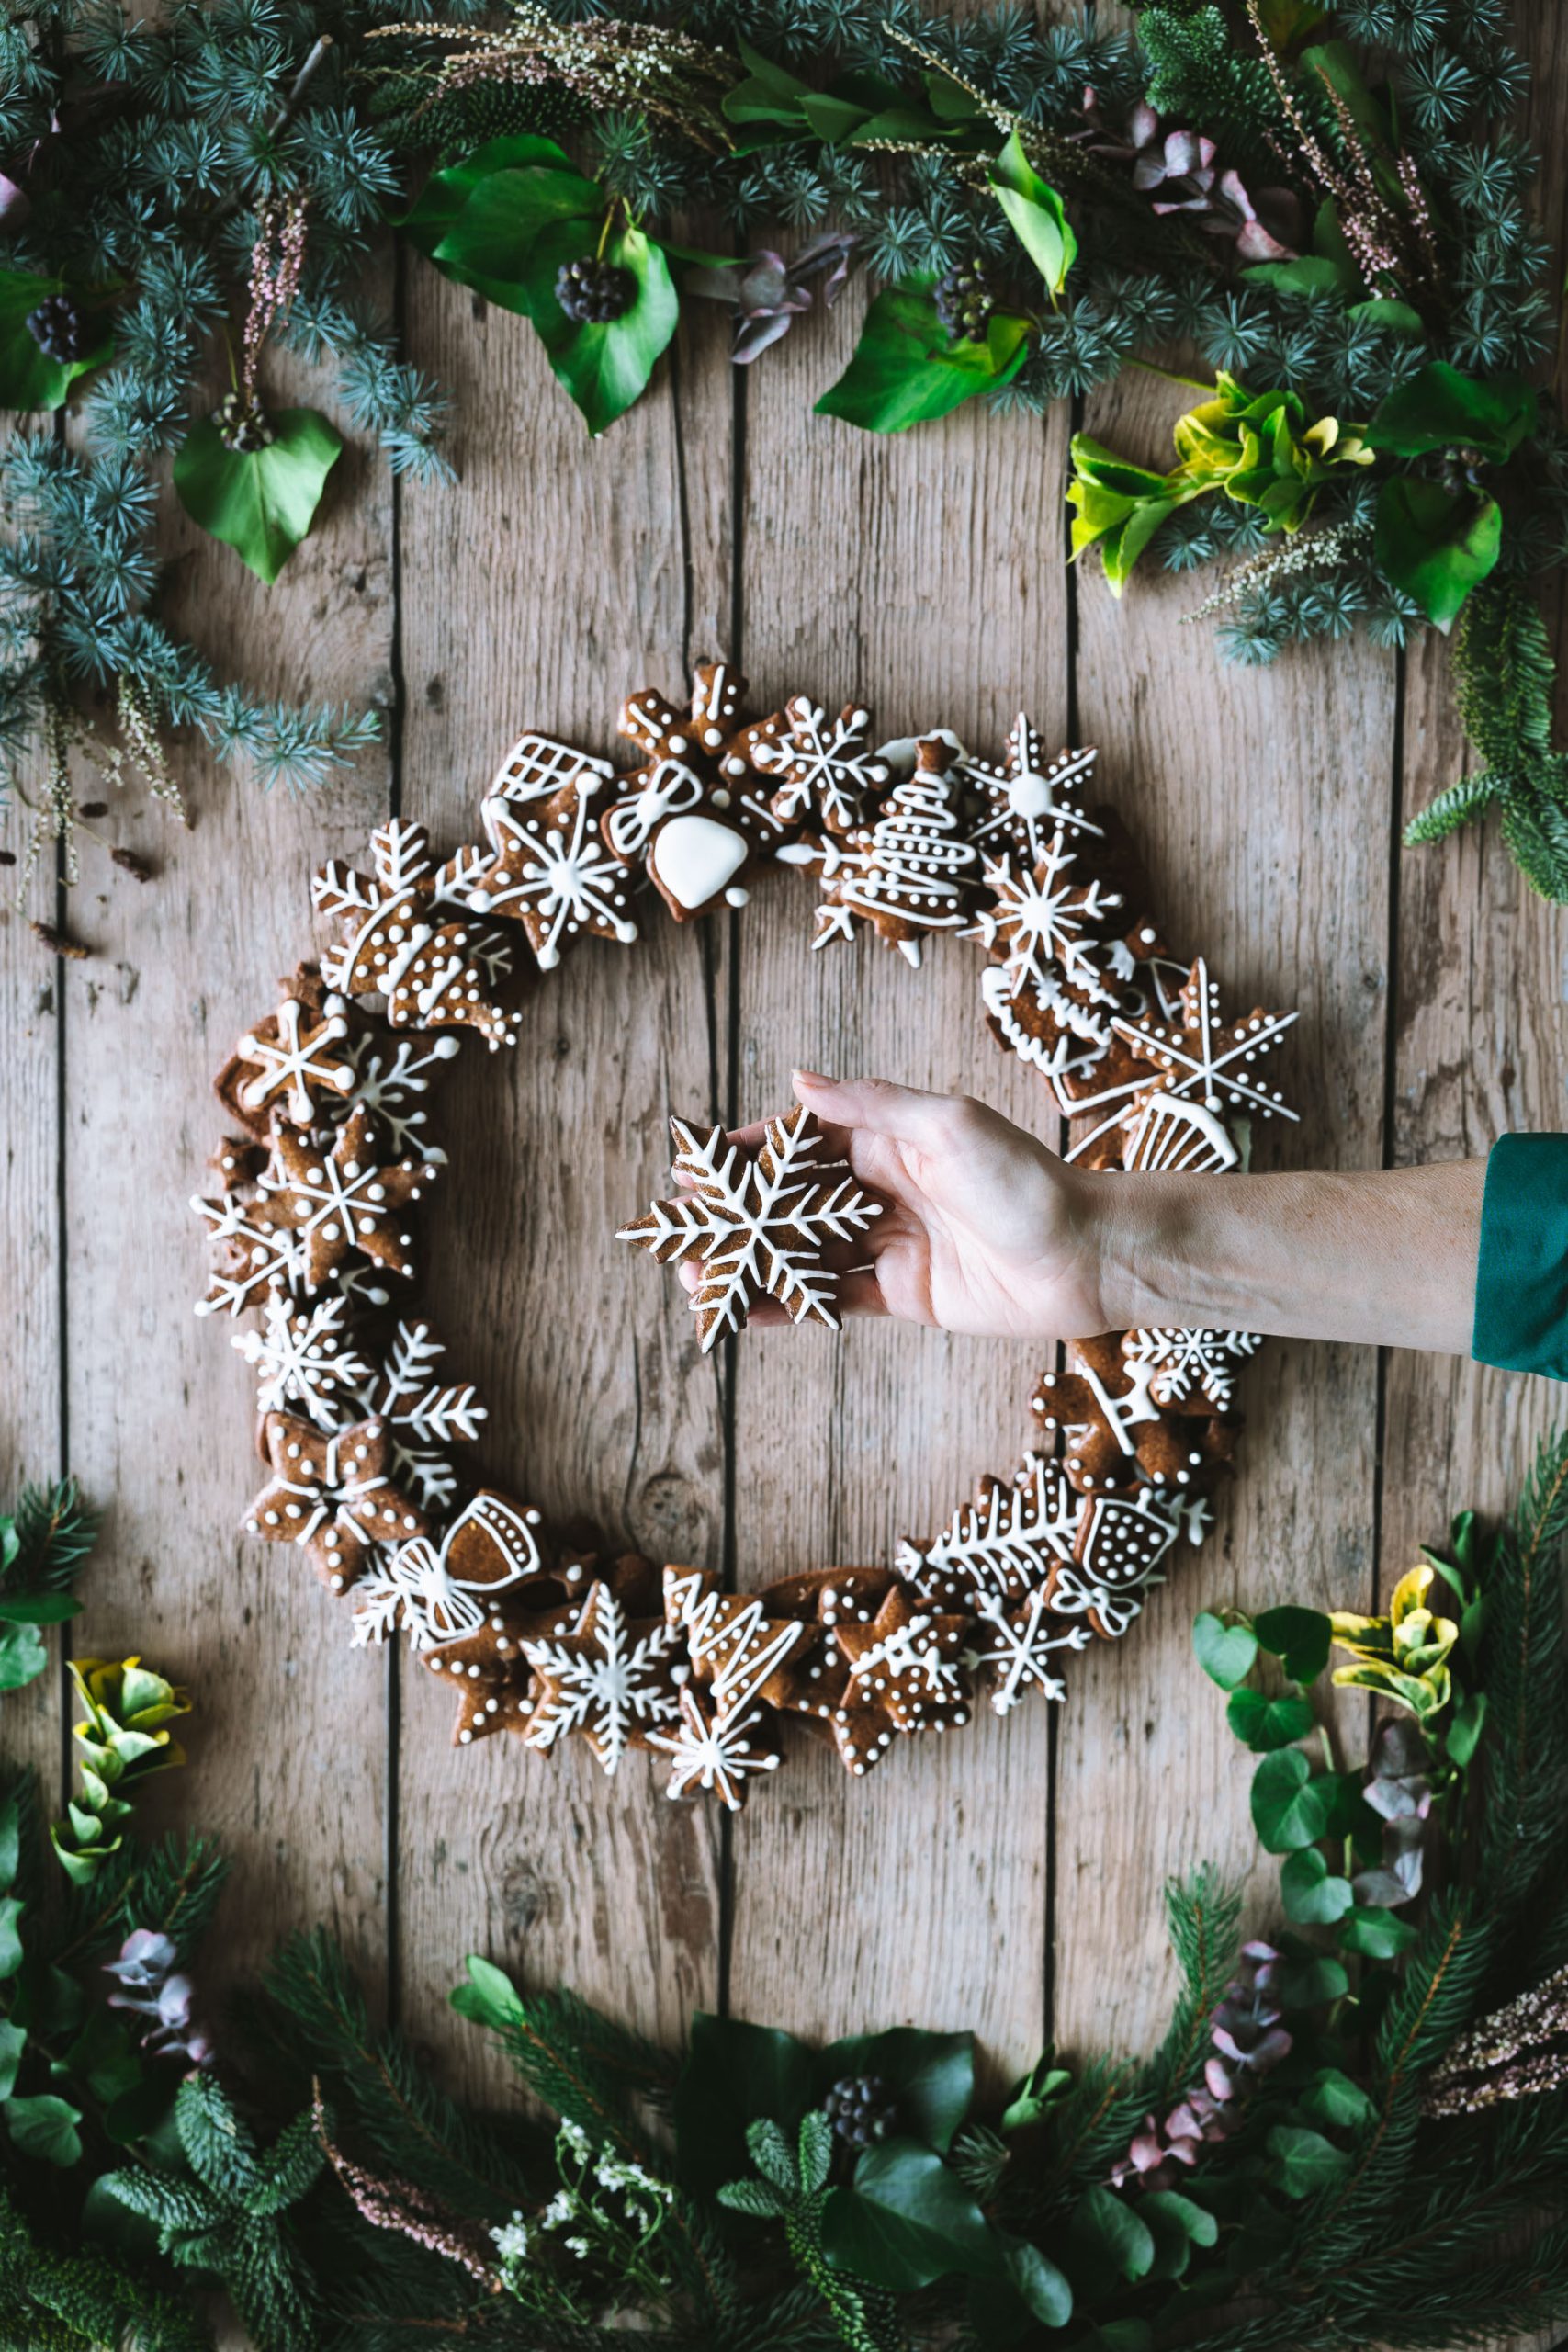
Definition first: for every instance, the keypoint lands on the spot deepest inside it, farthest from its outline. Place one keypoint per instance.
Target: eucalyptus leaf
(11, 1909)
(1264, 1724)
(261, 503)
(1314, 1895)
(1226, 1652)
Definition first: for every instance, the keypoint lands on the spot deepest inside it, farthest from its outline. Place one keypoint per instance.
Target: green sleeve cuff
(1521, 1290)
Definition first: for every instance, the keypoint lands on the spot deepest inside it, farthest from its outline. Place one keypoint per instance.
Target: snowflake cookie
(331, 1495)
(289, 1061)
(553, 875)
(1205, 1061)
(709, 1751)
(340, 1202)
(692, 815)
(1194, 1371)
(1046, 928)
(1029, 797)
(757, 1220)
(911, 872)
(613, 1680)
(433, 974)
(827, 773)
(1013, 1648)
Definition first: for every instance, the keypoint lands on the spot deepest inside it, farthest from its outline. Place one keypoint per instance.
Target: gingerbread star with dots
(332, 1496)
(1206, 1061)
(340, 1202)
(908, 1664)
(1029, 797)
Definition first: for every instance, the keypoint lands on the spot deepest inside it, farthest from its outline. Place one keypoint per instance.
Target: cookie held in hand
(757, 1219)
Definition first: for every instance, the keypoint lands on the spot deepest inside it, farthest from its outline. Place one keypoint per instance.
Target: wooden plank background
(1007, 1879)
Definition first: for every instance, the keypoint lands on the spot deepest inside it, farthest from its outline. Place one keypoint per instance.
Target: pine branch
(55, 1531)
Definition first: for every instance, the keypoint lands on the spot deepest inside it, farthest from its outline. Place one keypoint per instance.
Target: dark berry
(60, 330)
(241, 426)
(862, 2110)
(964, 300)
(595, 292)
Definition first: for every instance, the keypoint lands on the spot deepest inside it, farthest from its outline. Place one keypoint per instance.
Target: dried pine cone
(595, 292)
(61, 331)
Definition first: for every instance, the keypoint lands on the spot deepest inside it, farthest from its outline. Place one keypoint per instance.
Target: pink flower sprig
(277, 258)
(1248, 2042)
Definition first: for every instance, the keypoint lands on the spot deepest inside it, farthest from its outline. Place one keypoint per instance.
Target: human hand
(983, 1231)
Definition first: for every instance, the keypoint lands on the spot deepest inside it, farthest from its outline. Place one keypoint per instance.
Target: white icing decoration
(617, 1688)
(695, 858)
(1006, 1544)
(417, 1589)
(1015, 1647)
(1187, 1362)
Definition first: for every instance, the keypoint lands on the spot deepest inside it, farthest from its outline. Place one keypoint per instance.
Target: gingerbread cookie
(911, 872)
(691, 814)
(907, 1665)
(340, 1202)
(1047, 928)
(742, 1652)
(1048, 1031)
(757, 1220)
(305, 1356)
(1028, 798)
(1005, 1543)
(1013, 1648)
(537, 768)
(332, 1496)
(473, 1581)
(1205, 1061)
(827, 773)
(433, 974)
(289, 1061)
(553, 874)
(1194, 1371)
(613, 1680)
(715, 1752)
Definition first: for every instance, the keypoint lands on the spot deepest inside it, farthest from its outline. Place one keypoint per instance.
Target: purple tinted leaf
(1183, 153)
(1399, 1749)
(1143, 124)
(718, 285)
(766, 285)
(15, 204)
(1380, 1887)
(757, 334)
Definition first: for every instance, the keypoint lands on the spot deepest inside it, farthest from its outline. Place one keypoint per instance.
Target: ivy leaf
(12, 2042)
(1289, 1809)
(1301, 2162)
(1037, 213)
(1394, 318)
(907, 2221)
(1298, 1638)
(30, 379)
(903, 370)
(1263, 1723)
(40, 1609)
(489, 244)
(930, 2076)
(604, 367)
(1434, 545)
(22, 1657)
(1226, 1652)
(1439, 408)
(1335, 2099)
(769, 94)
(1107, 2230)
(1314, 1896)
(1308, 274)
(735, 2075)
(261, 503)
(45, 2127)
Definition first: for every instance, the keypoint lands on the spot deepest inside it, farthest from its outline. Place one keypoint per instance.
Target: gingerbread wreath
(315, 1233)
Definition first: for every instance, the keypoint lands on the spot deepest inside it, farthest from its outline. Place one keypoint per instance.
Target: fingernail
(813, 1078)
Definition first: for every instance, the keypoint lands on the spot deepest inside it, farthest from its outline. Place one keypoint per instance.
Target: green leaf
(907, 2221)
(1308, 274)
(490, 1997)
(771, 93)
(1308, 1983)
(22, 1657)
(489, 245)
(11, 1909)
(1300, 1638)
(735, 2075)
(1302, 2162)
(10, 1840)
(45, 2128)
(930, 2076)
(1038, 216)
(1465, 1727)
(1107, 2230)
(1263, 1723)
(261, 503)
(29, 380)
(40, 1609)
(1033, 2098)
(1333, 2099)
(604, 367)
(1396, 318)
(903, 371)
(12, 2042)
(1435, 545)
(1030, 2288)
(1314, 1896)
(1289, 1809)
(1440, 409)
(1197, 2224)
(1375, 1933)
(1224, 1652)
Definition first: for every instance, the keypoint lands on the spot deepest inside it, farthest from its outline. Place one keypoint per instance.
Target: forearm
(1387, 1257)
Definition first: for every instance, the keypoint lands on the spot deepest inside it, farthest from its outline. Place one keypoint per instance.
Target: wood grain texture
(564, 572)
(922, 576)
(288, 1746)
(1261, 800)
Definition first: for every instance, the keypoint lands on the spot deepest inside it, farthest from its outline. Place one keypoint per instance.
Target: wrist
(1140, 1234)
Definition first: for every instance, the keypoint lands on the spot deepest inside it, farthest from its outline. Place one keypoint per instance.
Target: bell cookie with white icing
(694, 815)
